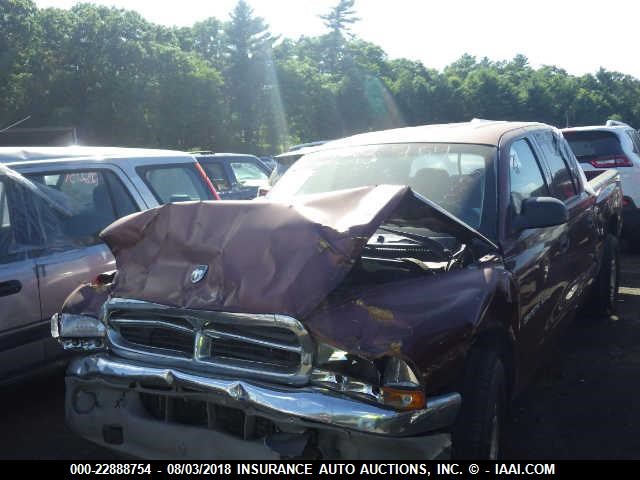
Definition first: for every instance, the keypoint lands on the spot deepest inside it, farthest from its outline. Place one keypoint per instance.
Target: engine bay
(397, 253)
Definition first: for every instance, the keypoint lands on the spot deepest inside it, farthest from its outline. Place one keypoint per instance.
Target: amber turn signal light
(403, 399)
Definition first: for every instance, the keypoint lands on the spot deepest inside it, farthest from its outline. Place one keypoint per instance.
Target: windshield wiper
(423, 239)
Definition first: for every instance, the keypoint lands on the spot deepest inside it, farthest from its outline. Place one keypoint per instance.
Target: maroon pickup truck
(389, 297)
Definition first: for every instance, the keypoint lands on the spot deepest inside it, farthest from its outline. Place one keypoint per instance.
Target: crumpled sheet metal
(412, 318)
(86, 300)
(262, 257)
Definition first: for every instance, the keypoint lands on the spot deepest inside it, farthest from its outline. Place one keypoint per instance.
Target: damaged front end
(80, 326)
(320, 329)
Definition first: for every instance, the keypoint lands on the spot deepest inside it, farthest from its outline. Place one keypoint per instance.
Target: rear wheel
(605, 290)
(478, 430)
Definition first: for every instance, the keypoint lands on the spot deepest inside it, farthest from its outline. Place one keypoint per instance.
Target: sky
(579, 36)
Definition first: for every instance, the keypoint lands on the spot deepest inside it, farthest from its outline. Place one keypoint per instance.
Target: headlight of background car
(389, 380)
(78, 332)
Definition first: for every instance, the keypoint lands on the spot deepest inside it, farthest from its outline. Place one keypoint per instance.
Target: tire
(477, 434)
(604, 295)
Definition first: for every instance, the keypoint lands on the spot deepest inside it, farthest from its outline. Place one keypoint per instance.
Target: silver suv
(614, 145)
(53, 204)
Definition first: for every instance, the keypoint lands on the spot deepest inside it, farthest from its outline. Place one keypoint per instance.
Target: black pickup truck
(386, 300)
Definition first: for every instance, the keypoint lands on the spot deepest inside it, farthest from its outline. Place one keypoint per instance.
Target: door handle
(10, 287)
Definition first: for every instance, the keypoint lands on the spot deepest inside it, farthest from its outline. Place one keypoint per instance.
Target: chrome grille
(172, 337)
(268, 347)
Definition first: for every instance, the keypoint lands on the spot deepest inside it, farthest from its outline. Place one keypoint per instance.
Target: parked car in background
(308, 145)
(614, 145)
(284, 162)
(386, 300)
(235, 176)
(51, 213)
(269, 161)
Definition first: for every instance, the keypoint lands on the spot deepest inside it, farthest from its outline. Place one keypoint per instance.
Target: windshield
(458, 177)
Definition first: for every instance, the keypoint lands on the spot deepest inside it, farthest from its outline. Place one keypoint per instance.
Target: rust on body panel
(406, 316)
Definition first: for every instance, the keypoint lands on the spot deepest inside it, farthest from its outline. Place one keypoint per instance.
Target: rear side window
(587, 145)
(6, 235)
(217, 175)
(571, 160)
(175, 183)
(525, 176)
(5, 221)
(94, 198)
(562, 186)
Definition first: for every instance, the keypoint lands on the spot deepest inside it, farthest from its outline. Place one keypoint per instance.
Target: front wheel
(477, 434)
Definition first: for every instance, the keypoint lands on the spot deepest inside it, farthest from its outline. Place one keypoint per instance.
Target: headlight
(397, 373)
(389, 381)
(78, 332)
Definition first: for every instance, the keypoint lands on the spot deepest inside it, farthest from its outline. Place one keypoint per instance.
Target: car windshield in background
(587, 145)
(458, 177)
(175, 183)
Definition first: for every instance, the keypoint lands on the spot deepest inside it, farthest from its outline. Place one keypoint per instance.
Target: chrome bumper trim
(206, 325)
(305, 403)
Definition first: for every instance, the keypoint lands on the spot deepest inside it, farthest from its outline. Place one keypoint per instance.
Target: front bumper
(104, 395)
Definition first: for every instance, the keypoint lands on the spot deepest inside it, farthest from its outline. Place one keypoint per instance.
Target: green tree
(338, 21)
(19, 31)
(206, 38)
(122, 80)
(248, 47)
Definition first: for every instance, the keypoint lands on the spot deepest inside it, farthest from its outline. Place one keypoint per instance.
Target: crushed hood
(261, 256)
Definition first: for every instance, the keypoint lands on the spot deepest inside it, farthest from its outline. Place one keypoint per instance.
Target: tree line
(231, 85)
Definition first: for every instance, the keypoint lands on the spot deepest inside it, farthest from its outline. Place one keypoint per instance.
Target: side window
(562, 186)
(122, 201)
(5, 221)
(92, 199)
(6, 235)
(217, 175)
(21, 220)
(249, 174)
(571, 160)
(175, 183)
(525, 177)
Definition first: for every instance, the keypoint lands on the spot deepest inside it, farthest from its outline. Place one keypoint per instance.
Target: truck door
(578, 242)
(531, 255)
(21, 328)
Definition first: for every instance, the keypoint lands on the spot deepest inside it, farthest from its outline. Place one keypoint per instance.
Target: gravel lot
(581, 406)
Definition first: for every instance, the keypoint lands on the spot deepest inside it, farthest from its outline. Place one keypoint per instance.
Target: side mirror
(541, 212)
